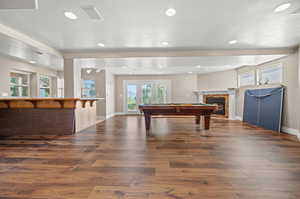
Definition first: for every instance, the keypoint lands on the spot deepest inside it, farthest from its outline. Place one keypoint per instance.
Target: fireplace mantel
(231, 92)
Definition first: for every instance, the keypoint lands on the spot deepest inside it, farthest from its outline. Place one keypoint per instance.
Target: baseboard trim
(239, 118)
(111, 115)
(120, 113)
(115, 114)
(291, 131)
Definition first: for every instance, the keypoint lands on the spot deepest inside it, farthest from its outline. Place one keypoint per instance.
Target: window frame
(253, 72)
(260, 72)
(42, 87)
(20, 85)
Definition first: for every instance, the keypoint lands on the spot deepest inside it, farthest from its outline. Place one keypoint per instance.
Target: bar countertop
(27, 102)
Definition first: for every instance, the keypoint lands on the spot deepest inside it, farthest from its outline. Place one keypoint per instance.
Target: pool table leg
(197, 119)
(207, 122)
(147, 121)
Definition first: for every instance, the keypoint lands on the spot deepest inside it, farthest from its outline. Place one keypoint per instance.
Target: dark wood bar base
(45, 116)
(37, 122)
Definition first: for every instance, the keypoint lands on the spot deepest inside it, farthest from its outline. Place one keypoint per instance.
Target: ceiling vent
(92, 12)
(18, 4)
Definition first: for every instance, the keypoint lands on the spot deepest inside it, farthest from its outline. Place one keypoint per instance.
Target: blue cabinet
(263, 107)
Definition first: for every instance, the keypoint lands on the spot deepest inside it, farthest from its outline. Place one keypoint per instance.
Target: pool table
(197, 110)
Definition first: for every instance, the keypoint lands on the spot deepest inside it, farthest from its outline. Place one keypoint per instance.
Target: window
(19, 84)
(247, 79)
(270, 75)
(44, 86)
(88, 88)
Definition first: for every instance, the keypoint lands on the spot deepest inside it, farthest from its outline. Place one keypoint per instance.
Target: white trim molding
(232, 99)
(239, 118)
(110, 115)
(28, 40)
(291, 131)
(169, 52)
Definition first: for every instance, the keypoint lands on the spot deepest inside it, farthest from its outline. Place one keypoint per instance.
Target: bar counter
(46, 116)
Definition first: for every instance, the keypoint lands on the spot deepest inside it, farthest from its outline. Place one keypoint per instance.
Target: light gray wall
(298, 92)
(7, 65)
(72, 78)
(182, 87)
(290, 81)
(218, 80)
(101, 92)
(110, 93)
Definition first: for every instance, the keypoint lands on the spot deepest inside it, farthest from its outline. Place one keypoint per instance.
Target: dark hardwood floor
(115, 160)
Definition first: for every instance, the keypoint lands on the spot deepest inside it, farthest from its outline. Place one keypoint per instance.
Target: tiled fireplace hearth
(225, 99)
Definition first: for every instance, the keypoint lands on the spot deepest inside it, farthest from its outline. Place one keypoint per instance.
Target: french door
(145, 92)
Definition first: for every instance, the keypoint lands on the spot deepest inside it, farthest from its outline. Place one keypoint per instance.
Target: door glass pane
(131, 97)
(161, 94)
(44, 92)
(146, 94)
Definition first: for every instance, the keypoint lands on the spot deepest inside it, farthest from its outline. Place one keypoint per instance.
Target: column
(101, 93)
(72, 79)
(298, 92)
(4, 83)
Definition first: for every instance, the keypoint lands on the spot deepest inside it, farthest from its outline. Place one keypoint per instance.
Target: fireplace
(230, 98)
(221, 101)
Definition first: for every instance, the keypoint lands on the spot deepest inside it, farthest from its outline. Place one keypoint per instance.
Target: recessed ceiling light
(70, 15)
(100, 44)
(282, 7)
(98, 70)
(88, 71)
(165, 43)
(170, 12)
(190, 72)
(32, 62)
(233, 42)
(198, 66)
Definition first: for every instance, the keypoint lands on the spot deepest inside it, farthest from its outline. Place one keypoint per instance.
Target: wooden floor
(179, 161)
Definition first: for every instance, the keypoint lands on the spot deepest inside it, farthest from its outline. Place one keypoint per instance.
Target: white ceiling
(173, 65)
(142, 24)
(205, 24)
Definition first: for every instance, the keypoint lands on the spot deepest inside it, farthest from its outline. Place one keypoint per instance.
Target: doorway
(138, 92)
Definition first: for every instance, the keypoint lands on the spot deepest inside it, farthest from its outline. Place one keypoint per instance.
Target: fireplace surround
(229, 96)
(221, 100)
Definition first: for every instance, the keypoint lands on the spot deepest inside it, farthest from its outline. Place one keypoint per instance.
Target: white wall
(290, 81)
(218, 80)
(110, 93)
(7, 65)
(298, 92)
(182, 87)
